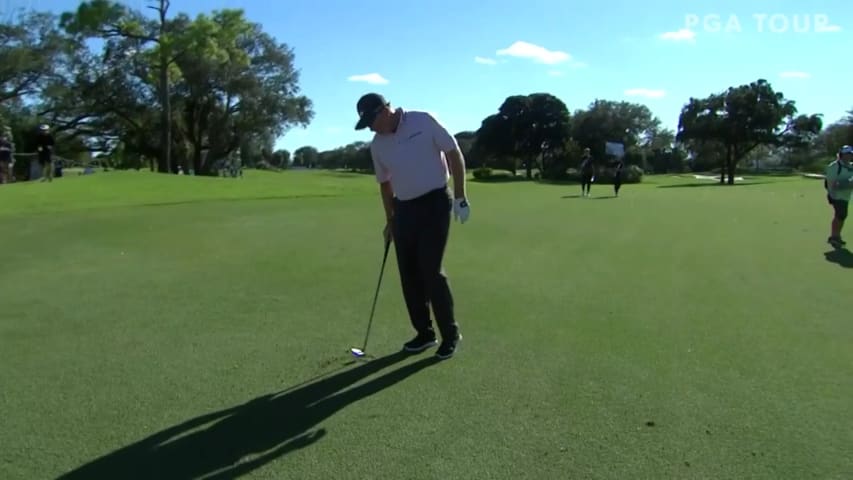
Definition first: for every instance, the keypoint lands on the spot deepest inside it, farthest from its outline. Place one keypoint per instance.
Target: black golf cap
(368, 107)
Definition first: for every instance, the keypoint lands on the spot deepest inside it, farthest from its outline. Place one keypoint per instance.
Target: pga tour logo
(762, 22)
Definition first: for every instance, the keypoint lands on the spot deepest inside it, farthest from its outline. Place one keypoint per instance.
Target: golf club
(361, 352)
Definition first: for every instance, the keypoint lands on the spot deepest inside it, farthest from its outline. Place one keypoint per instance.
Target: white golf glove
(461, 210)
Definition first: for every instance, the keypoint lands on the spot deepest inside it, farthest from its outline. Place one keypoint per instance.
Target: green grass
(176, 327)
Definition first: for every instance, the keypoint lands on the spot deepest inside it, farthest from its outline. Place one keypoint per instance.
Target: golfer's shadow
(235, 441)
(841, 256)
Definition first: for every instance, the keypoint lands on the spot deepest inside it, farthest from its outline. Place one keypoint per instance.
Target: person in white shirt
(413, 157)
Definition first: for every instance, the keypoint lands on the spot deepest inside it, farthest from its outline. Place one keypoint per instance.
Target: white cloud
(485, 61)
(682, 35)
(372, 78)
(645, 92)
(795, 75)
(535, 52)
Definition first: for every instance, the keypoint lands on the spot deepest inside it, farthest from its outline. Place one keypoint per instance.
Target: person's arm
(383, 176)
(455, 160)
(387, 194)
(456, 163)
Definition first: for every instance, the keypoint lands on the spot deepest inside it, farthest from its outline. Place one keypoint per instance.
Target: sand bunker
(715, 177)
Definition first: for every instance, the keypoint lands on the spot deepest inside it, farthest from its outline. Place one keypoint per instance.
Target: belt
(425, 196)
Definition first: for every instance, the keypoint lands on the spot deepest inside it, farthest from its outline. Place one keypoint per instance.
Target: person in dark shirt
(587, 172)
(617, 177)
(7, 149)
(44, 147)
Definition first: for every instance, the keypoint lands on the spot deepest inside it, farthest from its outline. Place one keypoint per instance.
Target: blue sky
(461, 60)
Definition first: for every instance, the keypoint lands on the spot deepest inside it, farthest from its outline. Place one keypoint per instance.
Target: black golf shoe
(448, 348)
(836, 242)
(420, 343)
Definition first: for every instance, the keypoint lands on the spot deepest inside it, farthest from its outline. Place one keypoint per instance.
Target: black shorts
(586, 178)
(840, 207)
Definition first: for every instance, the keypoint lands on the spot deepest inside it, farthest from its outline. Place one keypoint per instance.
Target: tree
(835, 135)
(306, 156)
(743, 118)
(495, 143)
(30, 47)
(231, 85)
(281, 158)
(236, 82)
(525, 127)
(108, 20)
(546, 131)
(466, 141)
(631, 124)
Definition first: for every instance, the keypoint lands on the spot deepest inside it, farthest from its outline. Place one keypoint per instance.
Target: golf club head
(357, 352)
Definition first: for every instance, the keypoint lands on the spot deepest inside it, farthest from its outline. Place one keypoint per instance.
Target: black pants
(421, 227)
(840, 207)
(617, 183)
(586, 182)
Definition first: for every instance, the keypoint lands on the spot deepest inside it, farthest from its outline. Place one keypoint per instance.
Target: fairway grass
(181, 327)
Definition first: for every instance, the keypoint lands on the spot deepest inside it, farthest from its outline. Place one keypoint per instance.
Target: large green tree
(525, 127)
(741, 119)
(186, 91)
(603, 121)
(32, 50)
(107, 19)
(495, 143)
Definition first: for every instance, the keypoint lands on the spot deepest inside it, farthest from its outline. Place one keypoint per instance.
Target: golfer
(411, 154)
(617, 177)
(839, 186)
(587, 172)
(44, 146)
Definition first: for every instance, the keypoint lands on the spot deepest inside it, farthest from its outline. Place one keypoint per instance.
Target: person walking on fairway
(617, 177)
(413, 157)
(587, 172)
(7, 149)
(44, 146)
(839, 186)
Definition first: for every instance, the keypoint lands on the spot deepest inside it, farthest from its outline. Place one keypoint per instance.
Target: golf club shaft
(376, 295)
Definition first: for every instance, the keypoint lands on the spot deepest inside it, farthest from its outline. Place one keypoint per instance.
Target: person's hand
(387, 234)
(461, 210)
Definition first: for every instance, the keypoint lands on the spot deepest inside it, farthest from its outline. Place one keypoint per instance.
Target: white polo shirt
(412, 158)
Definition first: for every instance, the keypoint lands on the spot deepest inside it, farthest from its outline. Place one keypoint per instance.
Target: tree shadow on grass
(841, 256)
(711, 184)
(231, 200)
(237, 440)
(600, 197)
(499, 179)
